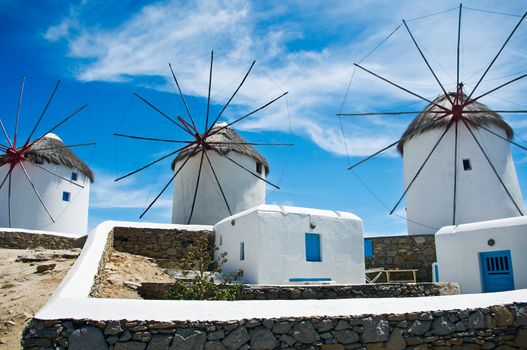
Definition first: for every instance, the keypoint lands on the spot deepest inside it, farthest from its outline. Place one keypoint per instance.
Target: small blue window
(74, 176)
(66, 196)
(368, 248)
(313, 247)
(242, 251)
(221, 240)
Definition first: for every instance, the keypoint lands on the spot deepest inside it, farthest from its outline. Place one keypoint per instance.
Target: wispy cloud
(317, 79)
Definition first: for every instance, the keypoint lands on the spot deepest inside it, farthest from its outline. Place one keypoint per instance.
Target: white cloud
(316, 78)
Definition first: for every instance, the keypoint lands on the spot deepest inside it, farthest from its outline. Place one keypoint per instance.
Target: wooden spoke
(208, 96)
(150, 138)
(497, 55)
(66, 146)
(183, 98)
(55, 174)
(5, 179)
(428, 64)
(458, 44)
(247, 170)
(250, 143)
(218, 182)
(478, 125)
(18, 110)
(375, 154)
(168, 183)
(492, 166)
(154, 162)
(422, 166)
(5, 134)
(43, 113)
(197, 186)
(496, 88)
(9, 189)
(230, 99)
(36, 192)
(383, 113)
(455, 174)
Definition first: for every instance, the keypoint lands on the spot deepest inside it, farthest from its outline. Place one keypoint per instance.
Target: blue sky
(104, 50)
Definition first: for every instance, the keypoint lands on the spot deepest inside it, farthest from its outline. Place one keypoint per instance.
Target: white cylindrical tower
(66, 201)
(431, 201)
(242, 190)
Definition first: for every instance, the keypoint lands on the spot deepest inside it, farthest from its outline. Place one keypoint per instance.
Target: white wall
(458, 249)
(480, 196)
(274, 239)
(242, 190)
(27, 211)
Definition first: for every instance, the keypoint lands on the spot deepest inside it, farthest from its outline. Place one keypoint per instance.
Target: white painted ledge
(71, 299)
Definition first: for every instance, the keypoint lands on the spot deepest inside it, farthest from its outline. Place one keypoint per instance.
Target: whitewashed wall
(274, 240)
(26, 210)
(480, 196)
(458, 249)
(242, 190)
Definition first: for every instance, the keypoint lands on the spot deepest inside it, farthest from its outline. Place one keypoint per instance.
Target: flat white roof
(480, 225)
(293, 210)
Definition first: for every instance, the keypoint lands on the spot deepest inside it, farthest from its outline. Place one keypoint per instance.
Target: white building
(479, 194)
(486, 256)
(242, 189)
(282, 245)
(67, 203)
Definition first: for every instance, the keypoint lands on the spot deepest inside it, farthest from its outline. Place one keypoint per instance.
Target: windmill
(39, 177)
(200, 156)
(440, 148)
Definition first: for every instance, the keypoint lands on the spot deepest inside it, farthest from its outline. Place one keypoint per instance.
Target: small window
(259, 167)
(221, 240)
(242, 251)
(66, 196)
(368, 248)
(466, 165)
(74, 176)
(313, 247)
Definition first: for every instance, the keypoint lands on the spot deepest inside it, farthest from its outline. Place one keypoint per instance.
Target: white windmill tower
(458, 169)
(43, 184)
(241, 190)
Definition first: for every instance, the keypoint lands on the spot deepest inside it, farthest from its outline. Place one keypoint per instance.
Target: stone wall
(503, 327)
(166, 246)
(24, 240)
(404, 252)
(397, 290)
(97, 281)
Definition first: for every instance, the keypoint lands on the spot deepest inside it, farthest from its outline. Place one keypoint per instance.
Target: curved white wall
(242, 190)
(27, 211)
(480, 195)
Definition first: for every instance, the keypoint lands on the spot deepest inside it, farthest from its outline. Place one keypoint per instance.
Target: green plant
(199, 269)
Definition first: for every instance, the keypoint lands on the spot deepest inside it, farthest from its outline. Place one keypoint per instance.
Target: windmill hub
(457, 110)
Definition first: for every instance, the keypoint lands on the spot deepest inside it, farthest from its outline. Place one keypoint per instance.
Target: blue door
(313, 247)
(496, 271)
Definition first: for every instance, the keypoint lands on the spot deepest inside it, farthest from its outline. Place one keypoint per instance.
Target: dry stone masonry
(503, 327)
(25, 240)
(404, 252)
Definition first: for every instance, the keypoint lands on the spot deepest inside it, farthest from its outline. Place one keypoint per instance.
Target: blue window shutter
(313, 247)
(368, 248)
(242, 251)
(66, 196)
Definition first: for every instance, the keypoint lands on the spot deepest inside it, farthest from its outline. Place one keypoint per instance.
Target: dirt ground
(125, 272)
(23, 290)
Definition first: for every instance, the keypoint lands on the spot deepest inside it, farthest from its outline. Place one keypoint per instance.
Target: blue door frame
(496, 271)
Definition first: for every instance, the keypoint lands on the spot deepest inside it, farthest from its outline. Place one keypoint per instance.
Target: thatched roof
(425, 121)
(233, 140)
(45, 150)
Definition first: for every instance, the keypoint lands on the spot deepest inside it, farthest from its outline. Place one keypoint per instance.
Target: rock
(345, 336)
(289, 340)
(419, 327)
(396, 340)
(342, 325)
(3, 341)
(32, 258)
(21, 318)
(305, 333)
(375, 330)
(521, 339)
(216, 335)
(324, 325)
(131, 345)
(87, 338)
(521, 315)
(442, 326)
(132, 285)
(268, 323)
(126, 336)
(419, 240)
(194, 341)
(214, 345)
(143, 337)
(159, 342)
(263, 339)
(37, 343)
(236, 338)
(476, 320)
(113, 327)
(45, 267)
(503, 315)
(252, 323)
(282, 327)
